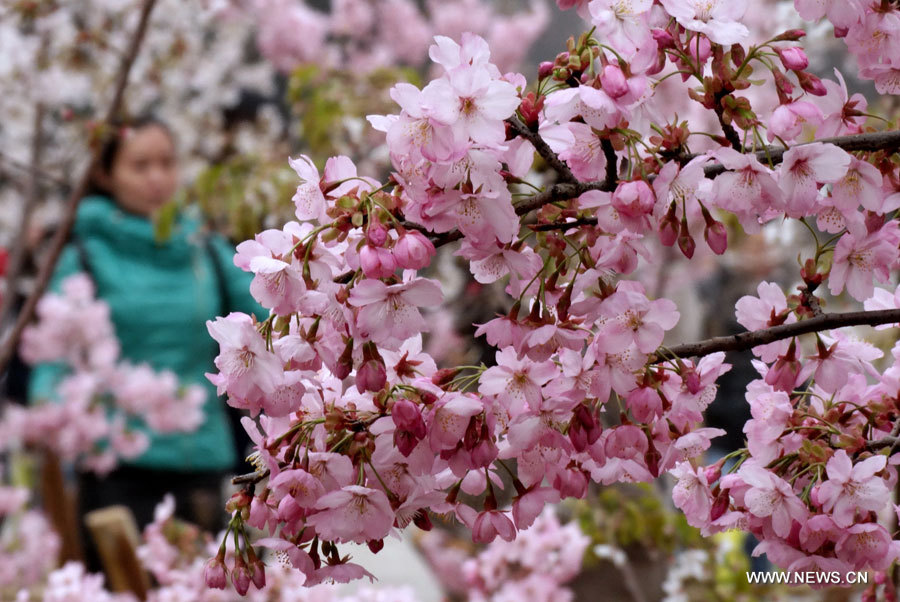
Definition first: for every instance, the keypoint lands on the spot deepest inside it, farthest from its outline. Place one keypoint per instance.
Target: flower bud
(685, 240)
(371, 376)
(258, 573)
(407, 417)
(344, 364)
(664, 39)
(793, 58)
(240, 576)
(716, 237)
(668, 227)
(214, 573)
(719, 506)
(377, 262)
(545, 70)
(422, 520)
(791, 35)
(376, 233)
(811, 83)
(613, 81)
(705, 50)
(413, 251)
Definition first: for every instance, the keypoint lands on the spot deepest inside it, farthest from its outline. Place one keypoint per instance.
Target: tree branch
(542, 148)
(730, 133)
(250, 478)
(62, 234)
(561, 191)
(19, 246)
(754, 338)
(871, 141)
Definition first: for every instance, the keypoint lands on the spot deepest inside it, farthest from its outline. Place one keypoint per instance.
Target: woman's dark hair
(112, 143)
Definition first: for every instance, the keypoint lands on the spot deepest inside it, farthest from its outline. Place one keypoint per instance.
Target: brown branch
(28, 170)
(62, 234)
(754, 338)
(892, 440)
(250, 478)
(730, 133)
(542, 148)
(577, 223)
(569, 190)
(612, 161)
(19, 246)
(871, 141)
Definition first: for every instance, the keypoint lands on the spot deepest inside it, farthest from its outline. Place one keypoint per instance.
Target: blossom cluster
(28, 545)
(363, 35)
(872, 33)
(811, 483)
(539, 563)
(358, 432)
(74, 329)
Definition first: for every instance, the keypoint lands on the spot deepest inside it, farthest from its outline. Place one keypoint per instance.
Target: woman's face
(143, 176)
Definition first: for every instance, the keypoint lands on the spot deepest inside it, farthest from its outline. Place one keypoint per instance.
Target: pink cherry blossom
(858, 260)
(389, 314)
(769, 496)
(804, 168)
(353, 513)
(852, 487)
(717, 19)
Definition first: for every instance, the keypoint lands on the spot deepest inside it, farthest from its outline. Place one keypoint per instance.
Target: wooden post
(115, 534)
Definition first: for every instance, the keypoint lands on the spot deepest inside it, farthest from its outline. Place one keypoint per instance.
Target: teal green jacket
(160, 296)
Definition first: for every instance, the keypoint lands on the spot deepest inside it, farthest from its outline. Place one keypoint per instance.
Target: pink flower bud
(377, 262)
(570, 483)
(686, 241)
(258, 573)
(413, 251)
(407, 417)
(634, 199)
(376, 233)
(545, 70)
(811, 83)
(214, 573)
(705, 50)
(371, 376)
(259, 513)
(793, 58)
(713, 473)
(485, 453)
(719, 507)
(613, 81)
(691, 381)
(716, 237)
(664, 39)
(240, 576)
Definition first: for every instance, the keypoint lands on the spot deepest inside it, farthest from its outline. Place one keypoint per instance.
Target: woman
(160, 293)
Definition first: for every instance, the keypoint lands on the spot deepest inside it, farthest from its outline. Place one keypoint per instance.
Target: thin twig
(612, 162)
(754, 338)
(19, 246)
(730, 133)
(10, 163)
(543, 149)
(872, 141)
(250, 478)
(62, 233)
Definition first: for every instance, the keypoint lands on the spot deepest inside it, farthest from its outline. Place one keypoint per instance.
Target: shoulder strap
(219, 273)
